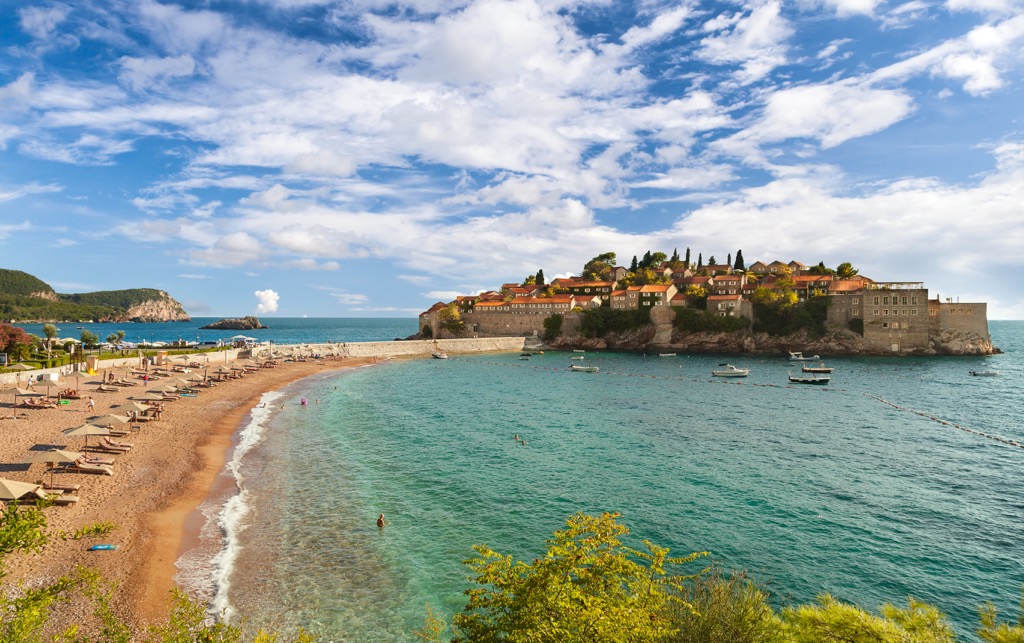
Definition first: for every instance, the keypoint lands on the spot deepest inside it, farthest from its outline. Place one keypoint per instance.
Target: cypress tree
(700, 260)
(728, 260)
(540, 277)
(687, 260)
(633, 267)
(739, 261)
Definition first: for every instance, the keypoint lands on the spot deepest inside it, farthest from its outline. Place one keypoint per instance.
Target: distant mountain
(25, 298)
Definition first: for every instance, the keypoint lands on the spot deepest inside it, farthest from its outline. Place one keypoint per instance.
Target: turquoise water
(280, 330)
(813, 490)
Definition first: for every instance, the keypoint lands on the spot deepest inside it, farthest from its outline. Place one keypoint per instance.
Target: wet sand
(154, 489)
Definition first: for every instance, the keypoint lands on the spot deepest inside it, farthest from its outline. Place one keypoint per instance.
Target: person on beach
(381, 522)
(90, 405)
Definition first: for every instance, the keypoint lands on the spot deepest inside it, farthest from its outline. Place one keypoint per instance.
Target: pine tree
(646, 263)
(633, 267)
(675, 255)
(739, 261)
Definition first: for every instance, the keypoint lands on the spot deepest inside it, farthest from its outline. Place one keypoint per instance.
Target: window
(885, 312)
(856, 300)
(904, 300)
(913, 301)
(913, 311)
(885, 300)
(885, 324)
(856, 311)
(876, 301)
(875, 312)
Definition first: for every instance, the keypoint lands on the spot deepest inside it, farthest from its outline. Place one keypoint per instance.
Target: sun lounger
(113, 444)
(88, 459)
(81, 467)
(103, 388)
(63, 488)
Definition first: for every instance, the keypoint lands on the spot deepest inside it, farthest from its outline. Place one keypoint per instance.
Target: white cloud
(443, 295)
(349, 298)
(40, 22)
(267, 301)
(141, 73)
(25, 190)
(756, 41)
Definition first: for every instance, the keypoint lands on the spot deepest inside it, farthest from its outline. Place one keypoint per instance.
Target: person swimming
(380, 521)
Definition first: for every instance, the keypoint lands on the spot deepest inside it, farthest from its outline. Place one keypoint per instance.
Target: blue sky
(363, 158)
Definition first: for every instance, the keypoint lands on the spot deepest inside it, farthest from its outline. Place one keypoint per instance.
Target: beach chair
(62, 488)
(106, 442)
(83, 467)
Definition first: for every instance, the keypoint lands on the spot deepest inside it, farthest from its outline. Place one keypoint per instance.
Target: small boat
(524, 357)
(820, 368)
(728, 370)
(812, 378)
(576, 357)
(984, 373)
(584, 369)
(797, 356)
(578, 350)
(525, 354)
(666, 354)
(439, 355)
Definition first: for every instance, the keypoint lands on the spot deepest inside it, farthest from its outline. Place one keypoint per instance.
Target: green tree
(846, 270)
(587, 587)
(451, 319)
(633, 267)
(994, 631)
(51, 332)
(700, 261)
(530, 280)
(726, 608)
(696, 296)
(821, 269)
(89, 338)
(687, 260)
(552, 327)
(834, 620)
(539, 279)
(739, 265)
(600, 268)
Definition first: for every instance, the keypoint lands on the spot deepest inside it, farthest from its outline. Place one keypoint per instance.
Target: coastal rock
(164, 308)
(238, 323)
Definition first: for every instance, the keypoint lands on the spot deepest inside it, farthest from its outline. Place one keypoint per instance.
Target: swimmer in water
(380, 521)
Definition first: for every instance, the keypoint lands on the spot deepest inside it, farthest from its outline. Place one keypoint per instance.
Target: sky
(367, 158)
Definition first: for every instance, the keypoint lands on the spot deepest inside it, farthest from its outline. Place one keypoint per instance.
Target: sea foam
(205, 571)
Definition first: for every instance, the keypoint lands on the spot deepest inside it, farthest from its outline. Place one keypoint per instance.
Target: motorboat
(578, 350)
(728, 370)
(584, 369)
(820, 368)
(666, 354)
(580, 357)
(984, 373)
(810, 378)
(797, 356)
(439, 355)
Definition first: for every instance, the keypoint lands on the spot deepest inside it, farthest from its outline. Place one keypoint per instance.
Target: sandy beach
(154, 489)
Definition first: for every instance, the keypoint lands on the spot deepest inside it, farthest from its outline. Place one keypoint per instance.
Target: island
(672, 304)
(237, 323)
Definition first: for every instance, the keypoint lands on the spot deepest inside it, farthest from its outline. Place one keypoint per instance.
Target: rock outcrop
(164, 308)
(240, 323)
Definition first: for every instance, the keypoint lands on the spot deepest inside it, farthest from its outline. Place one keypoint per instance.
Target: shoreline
(151, 497)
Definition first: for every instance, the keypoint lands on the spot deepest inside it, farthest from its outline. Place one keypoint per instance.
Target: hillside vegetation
(25, 298)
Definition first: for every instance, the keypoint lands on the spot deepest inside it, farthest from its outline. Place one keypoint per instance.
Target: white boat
(576, 357)
(666, 354)
(984, 373)
(439, 355)
(728, 370)
(584, 369)
(797, 356)
(820, 368)
(578, 350)
(811, 378)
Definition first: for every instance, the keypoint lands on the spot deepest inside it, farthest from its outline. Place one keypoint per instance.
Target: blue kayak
(102, 547)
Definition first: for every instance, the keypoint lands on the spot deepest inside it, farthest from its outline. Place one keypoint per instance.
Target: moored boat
(811, 378)
(584, 369)
(728, 370)
(439, 355)
(577, 357)
(666, 354)
(984, 373)
(797, 356)
(820, 368)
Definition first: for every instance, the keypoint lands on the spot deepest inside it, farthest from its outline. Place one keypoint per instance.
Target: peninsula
(28, 299)
(670, 303)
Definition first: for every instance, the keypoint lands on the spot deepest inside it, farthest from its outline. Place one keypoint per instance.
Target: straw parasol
(109, 420)
(130, 406)
(21, 367)
(53, 455)
(13, 489)
(87, 430)
(16, 391)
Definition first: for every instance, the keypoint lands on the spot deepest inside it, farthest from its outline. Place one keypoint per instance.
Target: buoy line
(1012, 443)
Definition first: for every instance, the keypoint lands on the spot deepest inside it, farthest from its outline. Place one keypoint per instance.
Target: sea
(903, 477)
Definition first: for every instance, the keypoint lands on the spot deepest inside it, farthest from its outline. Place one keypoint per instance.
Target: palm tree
(50, 331)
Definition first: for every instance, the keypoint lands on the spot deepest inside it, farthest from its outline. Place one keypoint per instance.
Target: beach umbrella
(13, 489)
(21, 367)
(165, 389)
(53, 455)
(87, 430)
(148, 397)
(131, 406)
(109, 420)
(16, 391)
